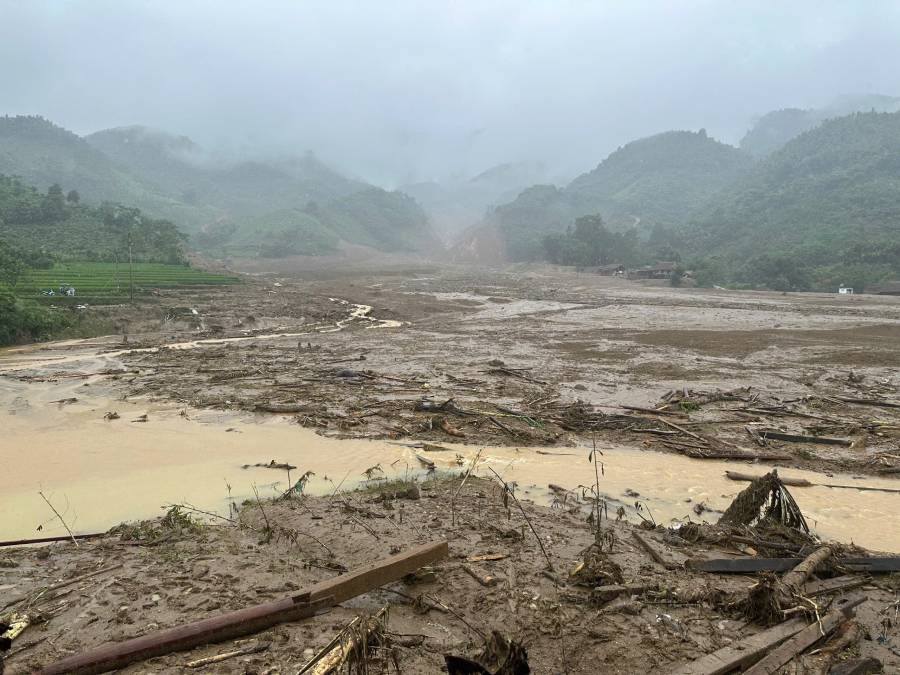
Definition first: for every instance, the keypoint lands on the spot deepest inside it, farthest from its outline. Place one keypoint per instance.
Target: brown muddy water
(99, 473)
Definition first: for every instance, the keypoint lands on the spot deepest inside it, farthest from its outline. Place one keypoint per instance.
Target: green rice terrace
(110, 283)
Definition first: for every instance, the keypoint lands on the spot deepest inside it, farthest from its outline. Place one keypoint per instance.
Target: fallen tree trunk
(115, 655)
(752, 565)
(802, 482)
(747, 478)
(793, 580)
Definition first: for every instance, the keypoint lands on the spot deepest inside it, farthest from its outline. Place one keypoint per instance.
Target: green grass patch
(105, 283)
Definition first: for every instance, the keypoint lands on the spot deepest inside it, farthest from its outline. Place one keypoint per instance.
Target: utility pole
(131, 271)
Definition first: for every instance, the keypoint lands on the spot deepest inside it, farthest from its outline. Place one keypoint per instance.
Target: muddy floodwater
(100, 472)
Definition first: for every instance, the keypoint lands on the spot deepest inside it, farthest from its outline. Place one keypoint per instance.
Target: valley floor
(539, 356)
(524, 369)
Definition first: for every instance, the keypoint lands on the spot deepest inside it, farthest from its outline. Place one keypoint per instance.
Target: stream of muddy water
(97, 472)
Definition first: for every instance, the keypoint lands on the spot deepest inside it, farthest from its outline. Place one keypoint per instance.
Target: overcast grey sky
(396, 91)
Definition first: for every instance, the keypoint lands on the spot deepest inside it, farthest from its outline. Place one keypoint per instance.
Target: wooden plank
(746, 651)
(800, 438)
(647, 546)
(379, 573)
(807, 637)
(250, 620)
(753, 565)
(844, 583)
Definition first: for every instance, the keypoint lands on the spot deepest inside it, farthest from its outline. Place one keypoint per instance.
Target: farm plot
(111, 283)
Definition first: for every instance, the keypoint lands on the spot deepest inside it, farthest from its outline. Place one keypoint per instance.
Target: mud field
(532, 357)
(375, 376)
(558, 599)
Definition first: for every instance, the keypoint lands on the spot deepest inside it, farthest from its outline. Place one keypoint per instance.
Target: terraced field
(107, 283)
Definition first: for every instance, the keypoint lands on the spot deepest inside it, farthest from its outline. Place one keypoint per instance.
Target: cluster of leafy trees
(21, 320)
(59, 225)
(590, 243)
(657, 181)
(38, 228)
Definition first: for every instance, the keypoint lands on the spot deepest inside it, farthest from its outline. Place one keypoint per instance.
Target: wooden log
(682, 430)
(747, 478)
(285, 408)
(794, 579)
(800, 438)
(647, 546)
(865, 666)
(802, 482)
(878, 403)
(485, 580)
(250, 620)
(753, 565)
(807, 637)
(652, 411)
(427, 463)
(607, 593)
(746, 651)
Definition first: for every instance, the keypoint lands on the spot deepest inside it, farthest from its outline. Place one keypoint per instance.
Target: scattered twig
(52, 508)
(508, 491)
(244, 651)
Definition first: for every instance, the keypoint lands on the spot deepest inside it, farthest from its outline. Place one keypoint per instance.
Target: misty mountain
(288, 205)
(652, 182)
(456, 204)
(774, 129)
(830, 196)
(42, 154)
(181, 168)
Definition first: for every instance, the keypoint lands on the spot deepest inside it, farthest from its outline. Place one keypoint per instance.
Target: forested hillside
(774, 129)
(62, 227)
(655, 182)
(821, 211)
(388, 221)
(244, 208)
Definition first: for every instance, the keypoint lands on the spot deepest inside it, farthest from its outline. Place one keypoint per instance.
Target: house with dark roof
(661, 270)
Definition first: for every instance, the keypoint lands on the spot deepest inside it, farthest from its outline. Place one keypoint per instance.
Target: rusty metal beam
(47, 540)
(251, 620)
